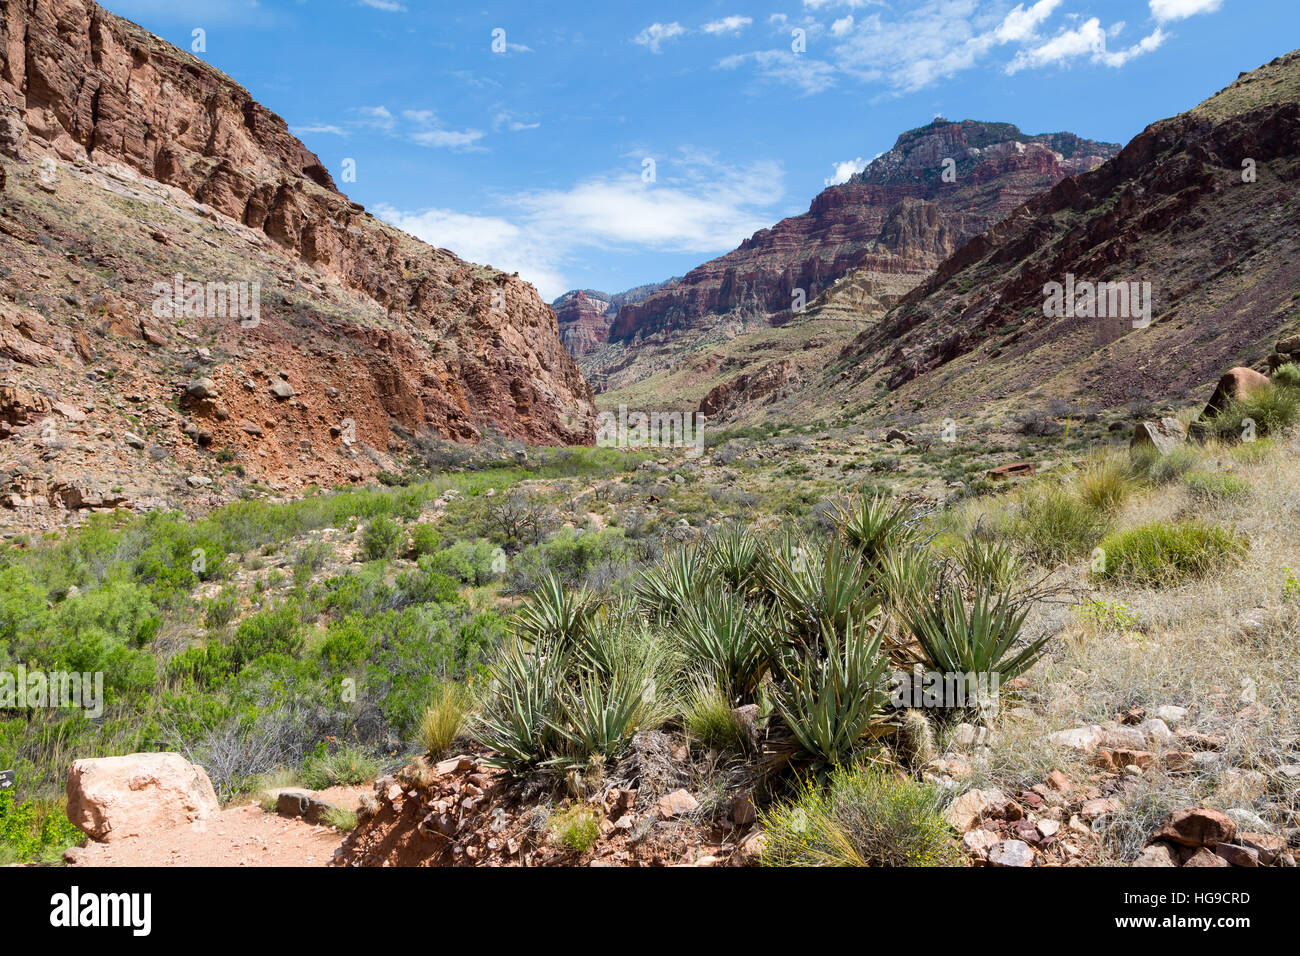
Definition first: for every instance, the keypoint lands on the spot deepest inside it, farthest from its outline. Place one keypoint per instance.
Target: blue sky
(518, 133)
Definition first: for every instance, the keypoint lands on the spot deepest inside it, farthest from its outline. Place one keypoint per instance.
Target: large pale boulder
(110, 798)
(1164, 436)
(1236, 383)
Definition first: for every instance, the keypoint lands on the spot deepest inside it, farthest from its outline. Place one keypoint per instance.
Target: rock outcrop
(136, 174)
(1199, 208)
(878, 221)
(111, 798)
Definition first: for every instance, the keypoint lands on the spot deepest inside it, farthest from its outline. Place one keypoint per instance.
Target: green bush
(577, 828)
(1214, 485)
(1160, 553)
(345, 767)
(710, 718)
(34, 831)
(380, 539)
(1287, 376)
(1272, 409)
(1148, 465)
(1054, 525)
(863, 817)
(276, 630)
(470, 562)
(444, 719)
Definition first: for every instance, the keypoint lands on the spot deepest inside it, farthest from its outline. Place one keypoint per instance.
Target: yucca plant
(721, 636)
(814, 587)
(875, 525)
(980, 639)
(554, 614)
(989, 564)
(833, 701)
(621, 647)
(679, 580)
(516, 722)
(907, 576)
(732, 556)
(596, 720)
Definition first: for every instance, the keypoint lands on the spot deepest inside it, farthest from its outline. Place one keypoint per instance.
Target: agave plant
(992, 565)
(834, 700)
(907, 576)
(732, 555)
(875, 525)
(981, 639)
(516, 723)
(722, 636)
(554, 614)
(815, 587)
(620, 647)
(596, 719)
(679, 580)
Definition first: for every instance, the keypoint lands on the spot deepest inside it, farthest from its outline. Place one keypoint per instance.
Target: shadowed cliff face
(994, 168)
(399, 338)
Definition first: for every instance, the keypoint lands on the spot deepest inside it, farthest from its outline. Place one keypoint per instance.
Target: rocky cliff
(974, 173)
(585, 315)
(129, 163)
(1198, 210)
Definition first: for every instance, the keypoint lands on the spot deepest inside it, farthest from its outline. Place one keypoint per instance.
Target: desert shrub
(1104, 483)
(276, 630)
(34, 831)
(1107, 615)
(1287, 376)
(444, 718)
(1268, 410)
(221, 608)
(980, 637)
(862, 817)
(710, 717)
(425, 539)
(1054, 525)
(577, 828)
(1215, 486)
(1157, 554)
(345, 767)
(381, 537)
(1148, 465)
(340, 819)
(470, 562)
(572, 555)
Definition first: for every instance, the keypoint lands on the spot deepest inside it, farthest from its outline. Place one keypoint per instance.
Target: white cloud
(846, 169)
(1166, 10)
(851, 4)
(376, 116)
(1086, 40)
(421, 127)
(488, 240)
(507, 120)
(798, 70)
(732, 24)
(1021, 24)
(318, 128)
(698, 206)
(388, 6)
(842, 26)
(655, 34)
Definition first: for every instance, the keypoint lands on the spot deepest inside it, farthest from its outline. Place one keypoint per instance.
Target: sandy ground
(240, 835)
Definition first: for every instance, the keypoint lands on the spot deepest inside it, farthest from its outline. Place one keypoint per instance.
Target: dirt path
(237, 836)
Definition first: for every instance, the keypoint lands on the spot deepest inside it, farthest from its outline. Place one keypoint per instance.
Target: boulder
(114, 797)
(1157, 855)
(1011, 853)
(1197, 827)
(303, 804)
(1164, 435)
(676, 804)
(1236, 383)
(967, 810)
